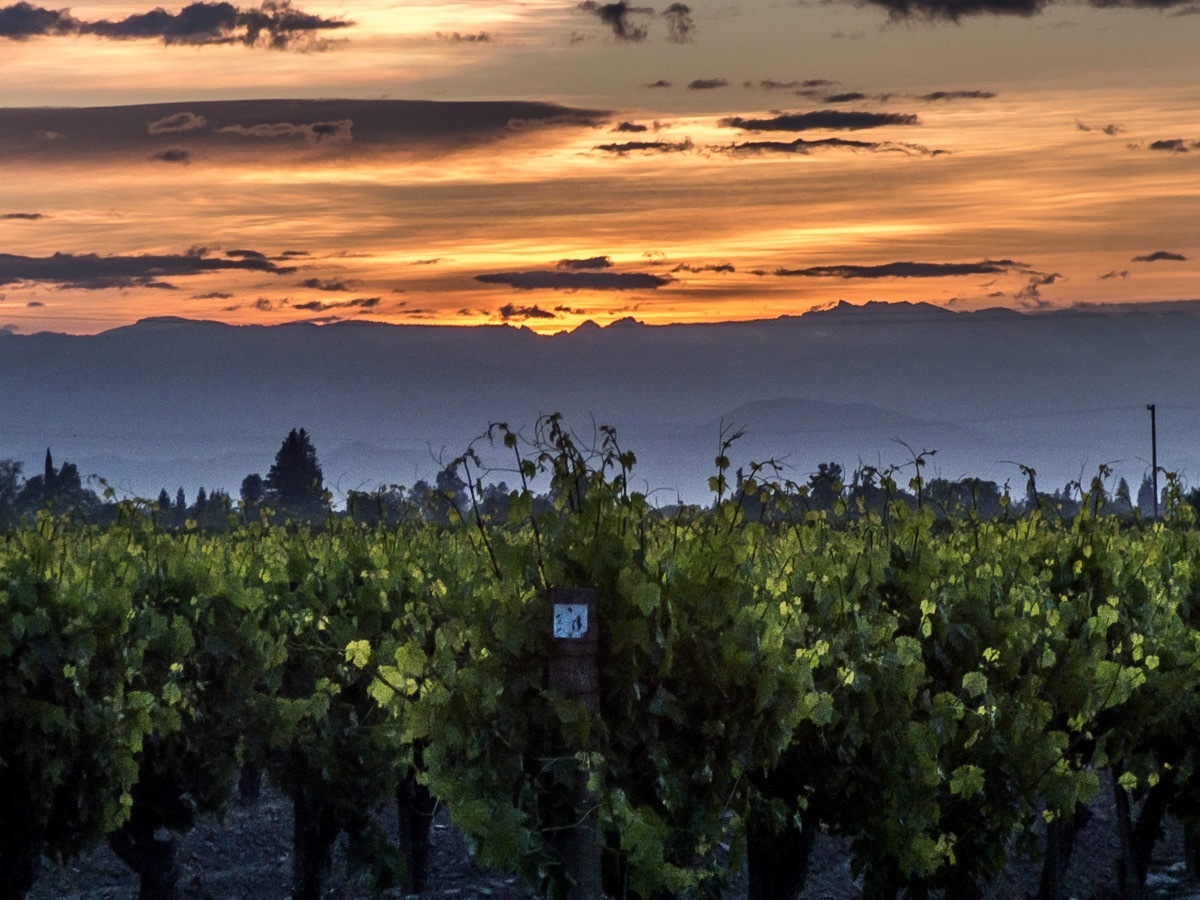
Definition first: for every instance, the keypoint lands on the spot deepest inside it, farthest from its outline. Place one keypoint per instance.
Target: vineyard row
(941, 696)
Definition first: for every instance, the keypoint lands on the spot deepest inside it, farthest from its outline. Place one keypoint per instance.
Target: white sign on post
(570, 620)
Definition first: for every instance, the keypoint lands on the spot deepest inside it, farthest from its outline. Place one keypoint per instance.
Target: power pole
(1154, 454)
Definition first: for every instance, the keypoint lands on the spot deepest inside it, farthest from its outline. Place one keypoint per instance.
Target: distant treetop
(295, 483)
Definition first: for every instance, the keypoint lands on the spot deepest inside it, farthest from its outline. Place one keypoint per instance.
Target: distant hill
(169, 402)
(792, 415)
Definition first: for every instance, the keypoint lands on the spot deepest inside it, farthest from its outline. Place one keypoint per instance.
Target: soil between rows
(248, 857)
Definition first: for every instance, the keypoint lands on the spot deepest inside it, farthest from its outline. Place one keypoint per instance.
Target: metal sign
(570, 620)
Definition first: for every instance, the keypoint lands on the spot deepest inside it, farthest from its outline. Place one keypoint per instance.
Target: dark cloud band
(1161, 256)
(275, 24)
(1175, 145)
(944, 96)
(955, 10)
(90, 271)
(571, 281)
(770, 84)
(233, 129)
(907, 270)
(820, 120)
(23, 20)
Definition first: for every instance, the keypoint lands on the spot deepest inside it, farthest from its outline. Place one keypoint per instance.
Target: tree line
(294, 489)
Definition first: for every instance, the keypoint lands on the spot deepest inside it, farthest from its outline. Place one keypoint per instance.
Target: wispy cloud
(318, 285)
(710, 267)
(511, 311)
(627, 147)
(322, 305)
(618, 17)
(770, 84)
(679, 22)
(174, 155)
(803, 147)
(591, 262)
(930, 97)
(177, 123)
(1030, 296)
(1112, 129)
(340, 130)
(454, 37)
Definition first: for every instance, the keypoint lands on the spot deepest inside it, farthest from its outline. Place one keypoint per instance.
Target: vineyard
(941, 695)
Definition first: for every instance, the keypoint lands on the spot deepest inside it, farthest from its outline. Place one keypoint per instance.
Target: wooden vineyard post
(574, 674)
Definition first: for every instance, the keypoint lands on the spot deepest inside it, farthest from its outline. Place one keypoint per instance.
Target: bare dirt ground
(248, 857)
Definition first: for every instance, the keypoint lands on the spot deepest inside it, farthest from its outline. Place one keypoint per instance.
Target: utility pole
(1154, 454)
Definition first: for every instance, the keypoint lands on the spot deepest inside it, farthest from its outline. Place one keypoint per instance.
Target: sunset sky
(543, 163)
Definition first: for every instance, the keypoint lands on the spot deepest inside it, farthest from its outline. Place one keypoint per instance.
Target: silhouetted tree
(252, 492)
(60, 490)
(495, 501)
(252, 489)
(214, 513)
(1122, 501)
(871, 489)
(419, 494)
(68, 483)
(986, 497)
(295, 484)
(1066, 502)
(1145, 497)
(1193, 497)
(10, 490)
(967, 495)
(825, 486)
(49, 476)
(164, 500)
(450, 493)
(388, 505)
